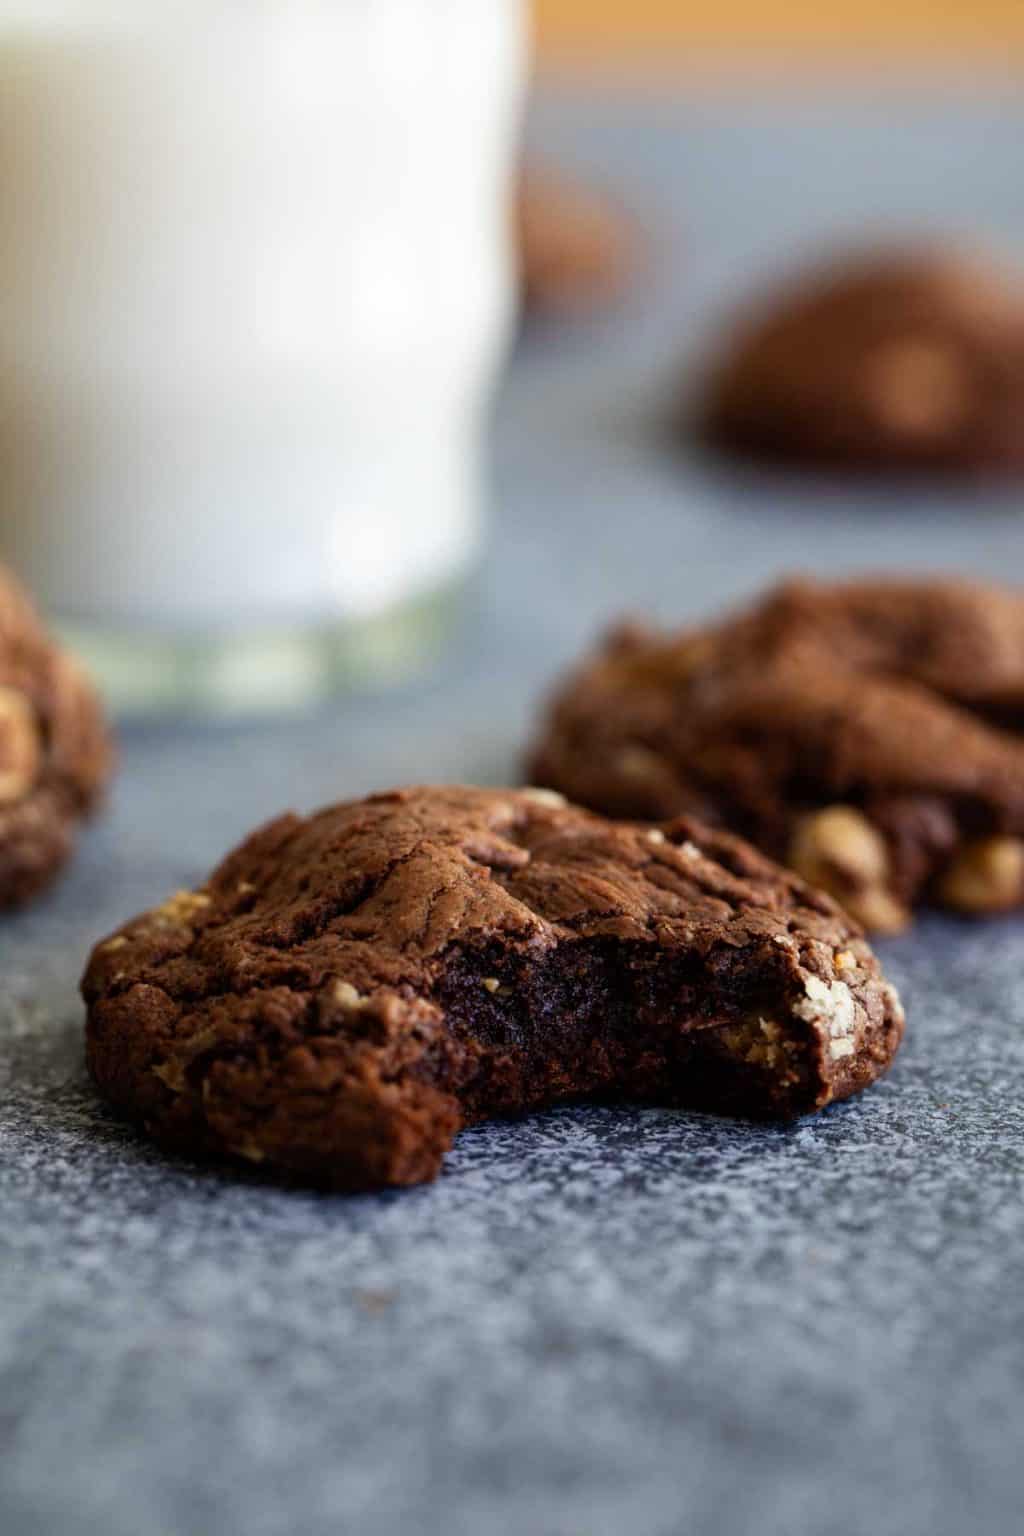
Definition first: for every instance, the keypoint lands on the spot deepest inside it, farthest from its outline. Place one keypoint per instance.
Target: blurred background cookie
(900, 358)
(867, 733)
(55, 751)
(577, 250)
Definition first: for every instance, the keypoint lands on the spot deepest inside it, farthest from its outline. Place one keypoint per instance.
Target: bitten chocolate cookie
(576, 250)
(871, 735)
(348, 990)
(55, 752)
(908, 359)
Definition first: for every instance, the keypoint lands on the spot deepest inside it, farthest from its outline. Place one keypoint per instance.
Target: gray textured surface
(596, 1321)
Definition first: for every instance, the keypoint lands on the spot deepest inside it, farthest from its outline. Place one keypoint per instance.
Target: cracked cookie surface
(870, 734)
(55, 750)
(349, 989)
(909, 359)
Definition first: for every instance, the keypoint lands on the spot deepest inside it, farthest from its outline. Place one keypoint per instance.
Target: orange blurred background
(574, 30)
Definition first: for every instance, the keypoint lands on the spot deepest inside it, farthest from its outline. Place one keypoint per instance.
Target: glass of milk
(254, 289)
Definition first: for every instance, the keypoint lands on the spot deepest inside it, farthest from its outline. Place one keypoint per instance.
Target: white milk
(254, 285)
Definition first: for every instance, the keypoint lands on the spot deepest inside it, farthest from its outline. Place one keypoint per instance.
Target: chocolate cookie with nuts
(349, 989)
(869, 734)
(55, 751)
(911, 359)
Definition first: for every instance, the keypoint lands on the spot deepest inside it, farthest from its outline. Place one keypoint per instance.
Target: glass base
(264, 670)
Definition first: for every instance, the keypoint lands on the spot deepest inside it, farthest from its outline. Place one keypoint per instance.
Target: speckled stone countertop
(597, 1321)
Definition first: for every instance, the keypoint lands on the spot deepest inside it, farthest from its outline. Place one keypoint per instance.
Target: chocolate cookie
(576, 250)
(55, 753)
(902, 359)
(347, 990)
(871, 735)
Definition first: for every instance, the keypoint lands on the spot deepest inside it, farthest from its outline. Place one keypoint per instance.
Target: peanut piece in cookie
(985, 876)
(21, 748)
(839, 850)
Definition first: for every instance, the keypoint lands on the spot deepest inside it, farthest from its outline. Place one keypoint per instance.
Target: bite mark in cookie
(349, 989)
